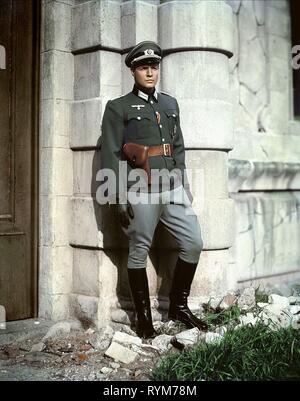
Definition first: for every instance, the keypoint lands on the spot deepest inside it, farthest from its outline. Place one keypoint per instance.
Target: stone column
(55, 274)
(96, 46)
(197, 39)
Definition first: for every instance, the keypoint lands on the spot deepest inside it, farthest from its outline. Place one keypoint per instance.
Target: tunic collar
(144, 95)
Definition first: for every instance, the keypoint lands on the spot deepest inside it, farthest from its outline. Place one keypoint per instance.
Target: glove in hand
(125, 212)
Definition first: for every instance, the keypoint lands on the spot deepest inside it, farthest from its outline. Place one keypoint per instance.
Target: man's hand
(125, 212)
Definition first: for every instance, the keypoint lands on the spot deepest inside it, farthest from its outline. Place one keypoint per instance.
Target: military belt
(166, 149)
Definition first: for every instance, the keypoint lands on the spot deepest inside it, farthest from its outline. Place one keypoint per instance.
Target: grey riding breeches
(173, 208)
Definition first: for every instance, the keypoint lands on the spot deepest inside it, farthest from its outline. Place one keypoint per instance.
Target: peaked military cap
(144, 52)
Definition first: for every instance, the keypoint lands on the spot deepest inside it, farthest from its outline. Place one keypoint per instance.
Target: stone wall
(265, 158)
(83, 250)
(230, 106)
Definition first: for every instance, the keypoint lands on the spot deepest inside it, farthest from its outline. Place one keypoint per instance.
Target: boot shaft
(138, 282)
(183, 276)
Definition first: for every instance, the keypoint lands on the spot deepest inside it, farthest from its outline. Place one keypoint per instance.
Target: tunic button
(139, 118)
(174, 115)
(151, 101)
(160, 126)
(163, 139)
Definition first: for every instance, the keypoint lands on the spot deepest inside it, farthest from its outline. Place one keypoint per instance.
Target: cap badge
(149, 52)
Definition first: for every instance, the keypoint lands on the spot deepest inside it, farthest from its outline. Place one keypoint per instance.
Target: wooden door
(19, 50)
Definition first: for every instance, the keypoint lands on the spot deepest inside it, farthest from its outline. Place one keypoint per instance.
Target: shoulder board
(165, 93)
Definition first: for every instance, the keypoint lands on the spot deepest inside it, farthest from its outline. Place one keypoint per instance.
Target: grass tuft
(247, 353)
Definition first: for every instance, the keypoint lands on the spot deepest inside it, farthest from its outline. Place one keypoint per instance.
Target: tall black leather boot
(182, 280)
(138, 282)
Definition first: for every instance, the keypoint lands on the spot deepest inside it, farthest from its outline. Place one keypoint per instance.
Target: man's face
(146, 75)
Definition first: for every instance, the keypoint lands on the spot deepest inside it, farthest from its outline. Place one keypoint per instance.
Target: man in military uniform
(150, 120)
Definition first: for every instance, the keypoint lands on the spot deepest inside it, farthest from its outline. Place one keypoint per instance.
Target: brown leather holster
(137, 156)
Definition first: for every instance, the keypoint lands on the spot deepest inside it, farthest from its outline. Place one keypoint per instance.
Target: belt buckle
(167, 149)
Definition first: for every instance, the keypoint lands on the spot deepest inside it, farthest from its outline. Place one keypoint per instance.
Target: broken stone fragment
(120, 353)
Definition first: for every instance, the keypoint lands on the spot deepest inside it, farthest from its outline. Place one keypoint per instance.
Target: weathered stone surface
(250, 102)
(263, 38)
(102, 339)
(263, 175)
(247, 298)
(294, 300)
(277, 21)
(274, 121)
(55, 124)
(162, 343)
(106, 370)
(60, 329)
(279, 48)
(199, 118)
(228, 301)
(238, 171)
(248, 319)
(56, 272)
(279, 76)
(207, 174)
(233, 61)
(214, 277)
(97, 228)
(85, 169)
(260, 250)
(203, 24)
(212, 337)
(247, 23)
(188, 337)
(84, 308)
(275, 317)
(217, 213)
(56, 172)
(120, 316)
(57, 26)
(245, 126)
(259, 11)
(120, 353)
(235, 5)
(234, 90)
(198, 115)
(279, 301)
(38, 347)
(86, 272)
(295, 310)
(96, 23)
(252, 69)
(281, 4)
(57, 75)
(94, 77)
(86, 122)
(54, 211)
(126, 339)
(139, 22)
(55, 307)
(204, 75)
(268, 148)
